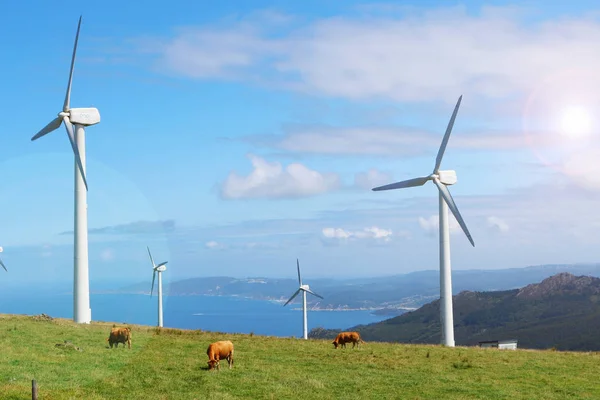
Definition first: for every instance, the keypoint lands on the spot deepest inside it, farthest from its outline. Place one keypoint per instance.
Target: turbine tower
(304, 289)
(78, 118)
(442, 179)
(1, 263)
(160, 268)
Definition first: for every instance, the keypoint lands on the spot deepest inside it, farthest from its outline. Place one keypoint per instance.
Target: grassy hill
(562, 311)
(171, 364)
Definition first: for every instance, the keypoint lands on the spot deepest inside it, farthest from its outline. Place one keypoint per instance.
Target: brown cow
(347, 337)
(119, 335)
(218, 351)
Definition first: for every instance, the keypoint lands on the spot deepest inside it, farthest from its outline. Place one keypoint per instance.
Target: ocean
(212, 313)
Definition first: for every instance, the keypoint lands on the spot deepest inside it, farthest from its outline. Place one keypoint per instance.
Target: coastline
(381, 310)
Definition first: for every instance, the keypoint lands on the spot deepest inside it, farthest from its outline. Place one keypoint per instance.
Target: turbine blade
(161, 264)
(438, 160)
(66, 104)
(452, 206)
(314, 294)
(292, 298)
(69, 128)
(153, 276)
(3, 266)
(54, 124)
(151, 259)
(404, 184)
(298, 265)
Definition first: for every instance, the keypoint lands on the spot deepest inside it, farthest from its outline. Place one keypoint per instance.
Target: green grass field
(171, 364)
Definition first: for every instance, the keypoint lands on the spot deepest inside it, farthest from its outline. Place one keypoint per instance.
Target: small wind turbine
(442, 179)
(1, 263)
(304, 289)
(160, 268)
(80, 118)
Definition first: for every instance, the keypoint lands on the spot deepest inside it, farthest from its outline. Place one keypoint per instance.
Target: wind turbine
(158, 268)
(79, 118)
(304, 289)
(1, 263)
(442, 179)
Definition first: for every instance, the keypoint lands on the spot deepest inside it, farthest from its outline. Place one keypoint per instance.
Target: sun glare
(576, 122)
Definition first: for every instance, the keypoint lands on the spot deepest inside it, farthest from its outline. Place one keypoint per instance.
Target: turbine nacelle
(84, 116)
(305, 287)
(447, 177)
(161, 268)
(1, 263)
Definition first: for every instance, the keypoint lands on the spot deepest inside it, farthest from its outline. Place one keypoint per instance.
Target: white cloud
(271, 180)
(372, 178)
(213, 245)
(397, 141)
(497, 224)
(337, 233)
(431, 225)
(375, 232)
(217, 54)
(367, 233)
(359, 140)
(493, 53)
(582, 167)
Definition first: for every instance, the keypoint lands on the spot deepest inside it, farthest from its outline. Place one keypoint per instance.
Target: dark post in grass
(34, 390)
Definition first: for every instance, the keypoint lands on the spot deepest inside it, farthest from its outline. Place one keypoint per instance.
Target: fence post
(34, 390)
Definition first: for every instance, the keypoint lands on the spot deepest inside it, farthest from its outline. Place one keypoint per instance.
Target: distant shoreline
(392, 311)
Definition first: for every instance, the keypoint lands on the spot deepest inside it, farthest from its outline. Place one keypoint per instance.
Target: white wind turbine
(1, 263)
(442, 179)
(80, 118)
(160, 268)
(304, 289)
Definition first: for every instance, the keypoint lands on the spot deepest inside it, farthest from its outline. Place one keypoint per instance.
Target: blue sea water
(213, 313)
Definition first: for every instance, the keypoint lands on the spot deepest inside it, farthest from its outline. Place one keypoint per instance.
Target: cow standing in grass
(347, 337)
(219, 351)
(119, 335)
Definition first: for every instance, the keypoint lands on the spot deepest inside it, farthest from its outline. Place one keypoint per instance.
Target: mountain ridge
(561, 311)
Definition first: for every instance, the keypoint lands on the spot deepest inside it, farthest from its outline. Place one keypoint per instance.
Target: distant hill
(563, 311)
(390, 295)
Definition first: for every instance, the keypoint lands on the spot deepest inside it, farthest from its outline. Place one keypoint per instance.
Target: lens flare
(576, 122)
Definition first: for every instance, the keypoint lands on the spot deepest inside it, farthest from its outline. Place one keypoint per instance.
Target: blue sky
(238, 136)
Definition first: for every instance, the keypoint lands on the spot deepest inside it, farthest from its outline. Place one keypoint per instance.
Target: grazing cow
(119, 335)
(219, 351)
(347, 337)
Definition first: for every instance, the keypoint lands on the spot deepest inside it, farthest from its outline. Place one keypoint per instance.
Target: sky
(238, 136)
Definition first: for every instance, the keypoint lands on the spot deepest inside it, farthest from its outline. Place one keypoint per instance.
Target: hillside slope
(171, 364)
(562, 311)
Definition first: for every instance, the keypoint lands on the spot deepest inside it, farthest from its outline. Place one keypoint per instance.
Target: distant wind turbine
(80, 118)
(1, 263)
(303, 289)
(160, 268)
(442, 179)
